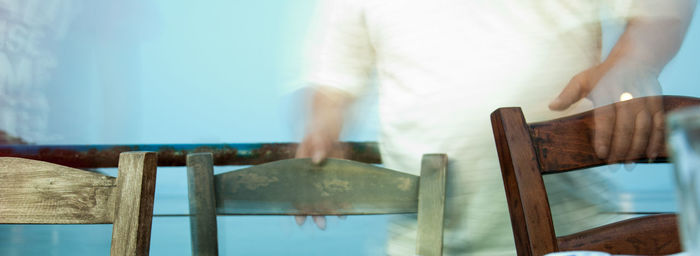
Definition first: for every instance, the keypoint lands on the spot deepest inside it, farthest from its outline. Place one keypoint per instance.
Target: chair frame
(528, 151)
(37, 192)
(223, 194)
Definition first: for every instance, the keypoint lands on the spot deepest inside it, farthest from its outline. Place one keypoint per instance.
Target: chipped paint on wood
(33, 191)
(296, 186)
(332, 186)
(404, 184)
(105, 156)
(252, 181)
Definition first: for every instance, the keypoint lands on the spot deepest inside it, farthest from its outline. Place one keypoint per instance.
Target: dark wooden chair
(528, 151)
(298, 187)
(36, 192)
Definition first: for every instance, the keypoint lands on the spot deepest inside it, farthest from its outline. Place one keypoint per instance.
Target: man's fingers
(314, 147)
(603, 124)
(319, 149)
(305, 148)
(573, 92)
(300, 219)
(657, 135)
(640, 140)
(623, 133)
(655, 105)
(320, 221)
(318, 156)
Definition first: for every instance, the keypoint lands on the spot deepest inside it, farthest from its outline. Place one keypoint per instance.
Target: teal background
(212, 71)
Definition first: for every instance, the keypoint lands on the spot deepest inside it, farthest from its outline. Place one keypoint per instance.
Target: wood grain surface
(131, 232)
(36, 192)
(528, 151)
(431, 204)
(200, 187)
(44, 193)
(565, 144)
(657, 233)
(298, 187)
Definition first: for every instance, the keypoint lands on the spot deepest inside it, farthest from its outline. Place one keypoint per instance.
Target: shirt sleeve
(340, 53)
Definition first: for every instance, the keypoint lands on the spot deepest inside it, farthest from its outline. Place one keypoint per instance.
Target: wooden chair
(36, 192)
(528, 151)
(298, 187)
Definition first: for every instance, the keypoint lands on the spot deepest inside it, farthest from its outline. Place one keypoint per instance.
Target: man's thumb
(318, 156)
(572, 93)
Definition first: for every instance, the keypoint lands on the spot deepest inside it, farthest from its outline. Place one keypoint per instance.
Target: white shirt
(442, 67)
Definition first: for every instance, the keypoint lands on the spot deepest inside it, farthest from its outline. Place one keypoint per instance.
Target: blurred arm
(328, 107)
(654, 33)
(341, 60)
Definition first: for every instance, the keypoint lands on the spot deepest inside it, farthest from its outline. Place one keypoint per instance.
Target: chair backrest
(36, 192)
(298, 187)
(528, 151)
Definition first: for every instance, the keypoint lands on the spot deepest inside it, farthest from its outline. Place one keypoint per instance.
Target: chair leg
(200, 184)
(431, 204)
(131, 234)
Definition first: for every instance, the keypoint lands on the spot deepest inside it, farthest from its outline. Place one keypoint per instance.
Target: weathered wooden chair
(528, 151)
(298, 187)
(36, 192)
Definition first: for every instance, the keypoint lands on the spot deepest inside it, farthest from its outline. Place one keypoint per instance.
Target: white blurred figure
(29, 32)
(33, 33)
(442, 66)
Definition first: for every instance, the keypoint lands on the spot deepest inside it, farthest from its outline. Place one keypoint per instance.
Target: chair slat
(337, 187)
(43, 193)
(565, 144)
(648, 235)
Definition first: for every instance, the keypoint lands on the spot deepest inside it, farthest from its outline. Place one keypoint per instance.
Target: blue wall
(167, 71)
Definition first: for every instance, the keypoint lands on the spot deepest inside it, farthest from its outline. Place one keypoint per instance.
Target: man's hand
(631, 130)
(316, 146)
(324, 127)
(319, 220)
(328, 108)
(625, 131)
